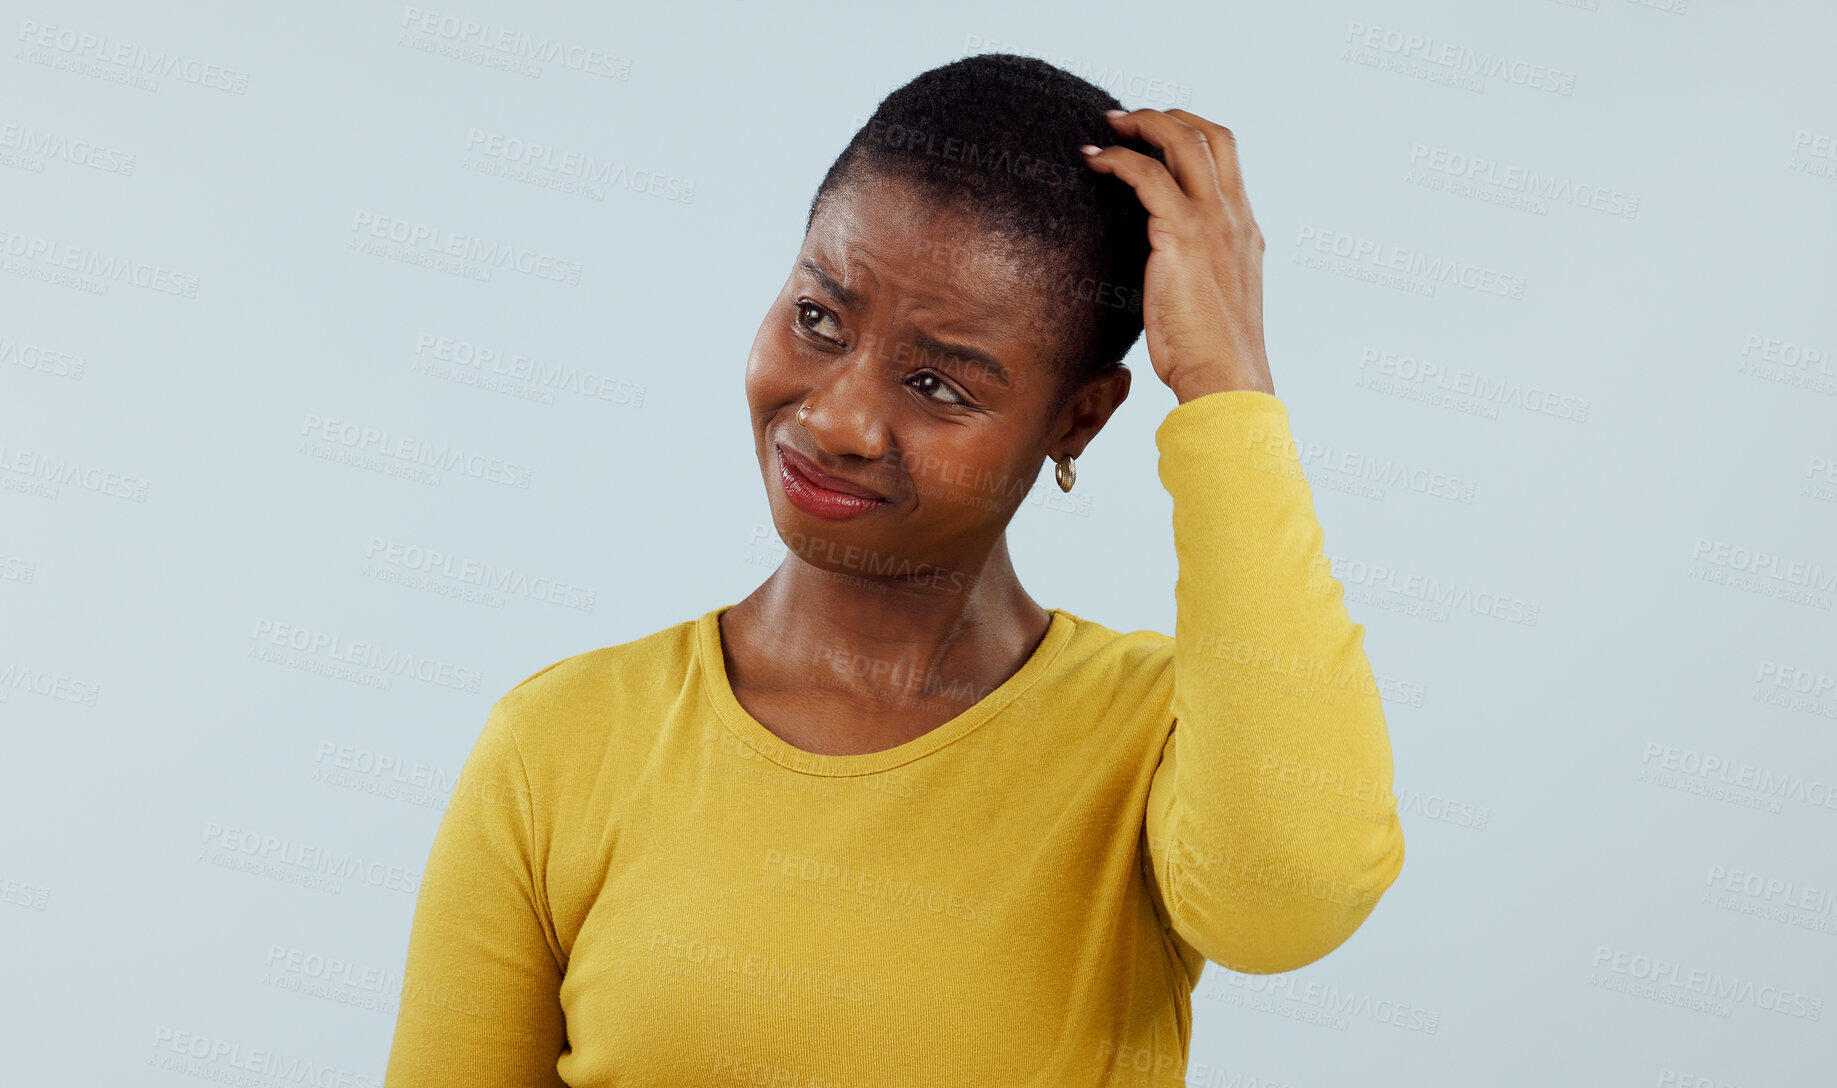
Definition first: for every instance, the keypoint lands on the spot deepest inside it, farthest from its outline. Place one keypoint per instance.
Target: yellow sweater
(636, 883)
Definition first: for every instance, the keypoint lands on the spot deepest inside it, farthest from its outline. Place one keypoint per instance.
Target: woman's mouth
(818, 495)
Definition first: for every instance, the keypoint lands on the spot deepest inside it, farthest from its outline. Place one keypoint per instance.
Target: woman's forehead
(873, 240)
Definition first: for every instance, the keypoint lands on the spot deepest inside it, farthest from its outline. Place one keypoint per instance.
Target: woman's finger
(1153, 185)
(1186, 147)
(1224, 152)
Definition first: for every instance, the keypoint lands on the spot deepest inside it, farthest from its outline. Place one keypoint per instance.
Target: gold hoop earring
(1066, 474)
(800, 416)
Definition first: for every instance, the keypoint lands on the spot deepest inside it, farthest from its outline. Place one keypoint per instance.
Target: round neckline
(740, 721)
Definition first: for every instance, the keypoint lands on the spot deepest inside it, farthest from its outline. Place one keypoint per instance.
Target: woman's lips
(818, 495)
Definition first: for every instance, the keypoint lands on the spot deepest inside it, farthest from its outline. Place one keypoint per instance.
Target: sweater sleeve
(481, 1003)
(1271, 826)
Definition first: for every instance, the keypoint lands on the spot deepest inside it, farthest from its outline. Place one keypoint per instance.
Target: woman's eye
(809, 314)
(955, 397)
(806, 308)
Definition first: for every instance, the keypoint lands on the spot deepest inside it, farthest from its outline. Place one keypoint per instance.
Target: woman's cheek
(962, 486)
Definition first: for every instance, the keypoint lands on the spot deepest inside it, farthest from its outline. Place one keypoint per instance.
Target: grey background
(1604, 455)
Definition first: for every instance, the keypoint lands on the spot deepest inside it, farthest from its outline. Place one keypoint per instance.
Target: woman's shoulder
(638, 656)
(1105, 682)
(1100, 639)
(1109, 657)
(587, 695)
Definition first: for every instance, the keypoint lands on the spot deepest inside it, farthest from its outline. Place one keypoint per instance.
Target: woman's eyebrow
(930, 346)
(924, 345)
(830, 283)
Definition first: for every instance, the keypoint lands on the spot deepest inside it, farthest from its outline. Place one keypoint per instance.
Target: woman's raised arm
(1272, 828)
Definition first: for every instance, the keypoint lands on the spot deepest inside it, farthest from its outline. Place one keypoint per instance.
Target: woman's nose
(848, 413)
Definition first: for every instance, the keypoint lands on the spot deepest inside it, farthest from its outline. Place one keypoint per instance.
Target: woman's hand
(1202, 293)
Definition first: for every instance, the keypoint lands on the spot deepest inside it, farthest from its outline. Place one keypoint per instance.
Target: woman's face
(923, 345)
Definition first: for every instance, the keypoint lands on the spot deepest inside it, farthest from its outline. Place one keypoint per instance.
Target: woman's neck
(916, 646)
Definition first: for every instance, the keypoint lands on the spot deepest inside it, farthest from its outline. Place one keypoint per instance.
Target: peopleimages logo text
(408, 448)
(443, 242)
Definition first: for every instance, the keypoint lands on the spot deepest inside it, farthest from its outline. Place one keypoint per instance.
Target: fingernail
(1116, 113)
(1090, 149)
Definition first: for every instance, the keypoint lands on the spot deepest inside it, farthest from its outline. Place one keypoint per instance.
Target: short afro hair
(1000, 133)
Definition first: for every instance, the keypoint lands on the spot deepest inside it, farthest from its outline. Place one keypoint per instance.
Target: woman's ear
(1091, 407)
